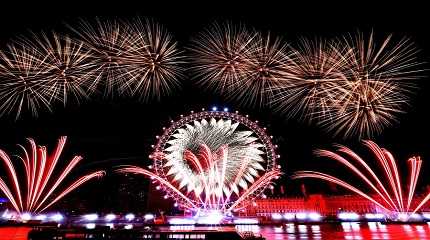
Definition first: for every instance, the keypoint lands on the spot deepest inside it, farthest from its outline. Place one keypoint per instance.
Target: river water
(353, 230)
(371, 230)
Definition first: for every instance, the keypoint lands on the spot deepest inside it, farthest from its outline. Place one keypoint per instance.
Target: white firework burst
(220, 56)
(67, 65)
(236, 149)
(109, 42)
(21, 85)
(153, 61)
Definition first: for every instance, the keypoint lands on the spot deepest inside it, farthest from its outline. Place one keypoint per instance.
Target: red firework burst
(39, 166)
(390, 197)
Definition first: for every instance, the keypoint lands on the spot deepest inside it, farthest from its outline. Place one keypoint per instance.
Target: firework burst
(379, 85)
(220, 56)
(390, 198)
(67, 65)
(22, 86)
(212, 164)
(239, 63)
(350, 86)
(388, 61)
(137, 58)
(365, 108)
(37, 194)
(313, 82)
(37, 71)
(109, 42)
(154, 61)
(266, 66)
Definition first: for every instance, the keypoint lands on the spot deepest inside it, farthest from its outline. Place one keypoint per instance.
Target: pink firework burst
(36, 193)
(391, 197)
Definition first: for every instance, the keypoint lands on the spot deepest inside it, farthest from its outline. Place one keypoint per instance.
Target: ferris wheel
(214, 160)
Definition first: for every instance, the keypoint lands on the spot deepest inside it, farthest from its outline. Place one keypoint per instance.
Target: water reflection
(346, 230)
(248, 228)
(182, 228)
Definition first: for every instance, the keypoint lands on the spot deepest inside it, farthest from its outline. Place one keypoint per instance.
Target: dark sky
(109, 132)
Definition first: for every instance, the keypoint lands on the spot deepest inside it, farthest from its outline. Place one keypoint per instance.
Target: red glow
(14, 233)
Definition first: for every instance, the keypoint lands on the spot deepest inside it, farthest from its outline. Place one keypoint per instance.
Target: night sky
(112, 131)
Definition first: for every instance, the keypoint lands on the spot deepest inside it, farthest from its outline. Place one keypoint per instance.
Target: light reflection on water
(351, 230)
(348, 231)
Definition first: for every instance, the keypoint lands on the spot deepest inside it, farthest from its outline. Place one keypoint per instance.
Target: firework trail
(36, 193)
(211, 165)
(391, 197)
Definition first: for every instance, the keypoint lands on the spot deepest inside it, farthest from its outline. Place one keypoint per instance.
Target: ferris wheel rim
(269, 148)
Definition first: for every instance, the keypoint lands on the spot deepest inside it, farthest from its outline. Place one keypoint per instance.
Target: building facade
(325, 205)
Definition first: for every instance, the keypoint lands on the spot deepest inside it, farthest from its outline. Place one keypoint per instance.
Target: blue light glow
(90, 225)
(129, 216)
(209, 217)
(182, 221)
(313, 216)
(276, 216)
(110, 217)
(301, 216)
(289, 216)
(374, 216)
(91, 217)
(26, 216)
(148, 216)
(348, 216)
(245, 221)
(56, 217)
(40, 217)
